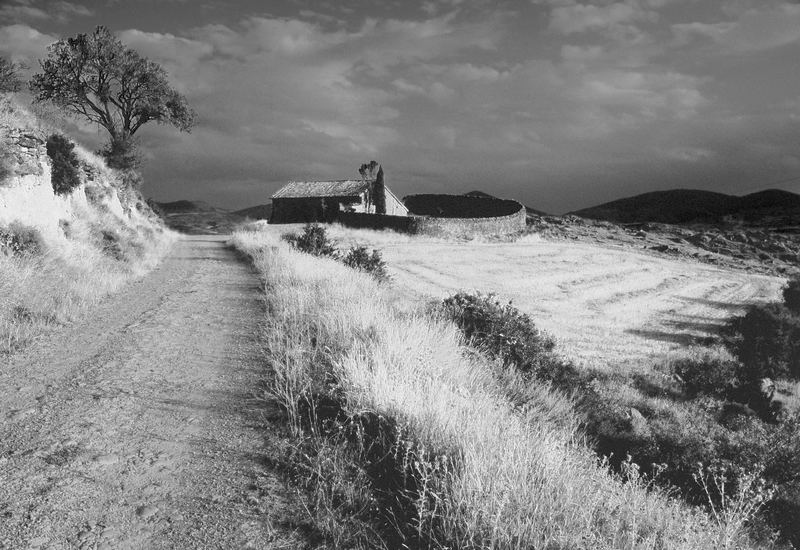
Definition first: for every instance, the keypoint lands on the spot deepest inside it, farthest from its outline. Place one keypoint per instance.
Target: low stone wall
(449, 227)
(471, 227)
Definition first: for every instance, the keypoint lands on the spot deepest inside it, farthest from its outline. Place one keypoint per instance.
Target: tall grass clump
(467, 468)
(314, 240)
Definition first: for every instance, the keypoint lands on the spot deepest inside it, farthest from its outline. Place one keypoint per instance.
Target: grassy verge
(411, 440)
(57, 283)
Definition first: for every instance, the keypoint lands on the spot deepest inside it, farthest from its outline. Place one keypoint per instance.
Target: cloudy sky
(561, 104)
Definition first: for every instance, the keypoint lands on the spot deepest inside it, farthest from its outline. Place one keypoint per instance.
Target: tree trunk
(120, 153)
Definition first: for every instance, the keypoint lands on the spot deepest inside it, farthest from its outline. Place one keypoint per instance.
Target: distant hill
(483, 195)
(691, 205)
(198, 217)
(459, 206)
(184, 206)
(260, 212)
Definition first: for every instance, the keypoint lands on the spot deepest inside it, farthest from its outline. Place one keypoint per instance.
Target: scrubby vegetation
(724, 443)
(405, 436)
(314, 240)
(57, 260)
(20, 240)
(358, 258)
(44, 286)
(505, 333)
(767, 342)
(791, 295)
(65, 173)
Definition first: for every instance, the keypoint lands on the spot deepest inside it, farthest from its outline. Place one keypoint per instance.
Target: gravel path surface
(138, 427)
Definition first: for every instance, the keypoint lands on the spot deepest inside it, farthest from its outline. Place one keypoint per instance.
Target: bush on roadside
(18, 240)
(358, 258)
(708, 374)
(314, 240)
(767, 342)
(507, 334)
(791, 296)
(65, 174)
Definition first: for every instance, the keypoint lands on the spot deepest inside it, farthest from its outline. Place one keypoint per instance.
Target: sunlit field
(490, 474)
(606, 307)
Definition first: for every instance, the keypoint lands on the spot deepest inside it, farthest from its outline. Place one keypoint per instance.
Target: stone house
(322, 201)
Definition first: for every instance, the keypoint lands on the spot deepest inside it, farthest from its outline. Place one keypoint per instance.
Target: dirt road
(138, 427)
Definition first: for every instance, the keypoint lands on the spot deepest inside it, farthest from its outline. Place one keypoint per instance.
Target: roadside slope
(138, 427)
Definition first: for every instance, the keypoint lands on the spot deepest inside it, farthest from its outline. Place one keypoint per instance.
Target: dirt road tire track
(139, 426)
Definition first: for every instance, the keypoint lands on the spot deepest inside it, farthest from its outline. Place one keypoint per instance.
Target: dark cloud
(560, 103)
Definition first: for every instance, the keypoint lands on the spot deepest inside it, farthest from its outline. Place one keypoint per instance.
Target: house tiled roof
(303, 189)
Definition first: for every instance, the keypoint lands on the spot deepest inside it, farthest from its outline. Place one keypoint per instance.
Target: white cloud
(32, 10)
(19, 10)
(645, 94)
(576, 18)
(166, 47)
(24, 43)
(689, 154)
(755, 29)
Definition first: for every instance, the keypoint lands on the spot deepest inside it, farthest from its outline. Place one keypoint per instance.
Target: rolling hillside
(528, 209)
(199, 217)
(259, 212)
(691, 205)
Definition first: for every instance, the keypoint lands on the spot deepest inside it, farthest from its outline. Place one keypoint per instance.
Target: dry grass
(491, 475)
(41, 291)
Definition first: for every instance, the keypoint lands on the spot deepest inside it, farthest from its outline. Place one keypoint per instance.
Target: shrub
(507, 334)
(791, 296)
(359, 258)
(20, 240)
(110, 245)
(708, 374)
(6, 160)
(767, 342)
(314, 240)
(66, 166)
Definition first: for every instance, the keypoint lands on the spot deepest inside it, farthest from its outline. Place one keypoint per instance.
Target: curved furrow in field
(607, 308)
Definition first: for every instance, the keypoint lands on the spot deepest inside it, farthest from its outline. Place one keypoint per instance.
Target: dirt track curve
(138, 427)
